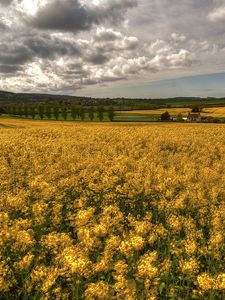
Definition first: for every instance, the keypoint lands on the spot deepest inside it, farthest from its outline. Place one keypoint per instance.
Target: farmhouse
(194, 117)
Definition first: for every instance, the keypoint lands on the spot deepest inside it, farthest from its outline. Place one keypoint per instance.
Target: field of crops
(111, 211)
(172, 111)
(215, 112)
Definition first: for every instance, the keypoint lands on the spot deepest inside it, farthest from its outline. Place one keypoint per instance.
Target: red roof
(194, 115)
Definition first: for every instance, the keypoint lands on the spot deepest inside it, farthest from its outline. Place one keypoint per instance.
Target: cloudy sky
(104, 48)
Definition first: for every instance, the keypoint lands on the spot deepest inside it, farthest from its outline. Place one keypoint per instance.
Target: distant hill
(33, 97)
(8, 98)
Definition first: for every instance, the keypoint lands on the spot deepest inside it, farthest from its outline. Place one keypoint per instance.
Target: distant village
(194, 117)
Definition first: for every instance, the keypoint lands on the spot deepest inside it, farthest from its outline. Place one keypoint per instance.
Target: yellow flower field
(111, 211)
(216, 112)
(172, 111)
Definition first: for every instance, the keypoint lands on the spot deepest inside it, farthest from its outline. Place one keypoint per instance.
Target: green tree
(179, 117)
(7, 109)
(3, 110)
(196, 109)
(20, 111)
(82, 113)
(165, 116)
(26, 111)
(14, 110)
(74, 112)
(64, 112)
(91, 113)
(41, 111)
(56, 112)
(48, 112)
(100, 113)
(32, 112)
(111, 114)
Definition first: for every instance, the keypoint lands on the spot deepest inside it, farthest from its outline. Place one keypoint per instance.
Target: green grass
(120, 117)
(69, 118)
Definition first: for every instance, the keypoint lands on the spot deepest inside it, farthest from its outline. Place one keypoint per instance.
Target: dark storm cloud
(5, 2)
(14, 54)
(75, 69)
(10, 69)
(2, 26)
(72, 15)
(45, 46)
(65, 45)
(97, 58)
(19, 52)
(63, 15)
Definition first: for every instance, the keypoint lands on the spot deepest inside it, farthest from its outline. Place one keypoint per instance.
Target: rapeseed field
(111, 211)
(215, 112)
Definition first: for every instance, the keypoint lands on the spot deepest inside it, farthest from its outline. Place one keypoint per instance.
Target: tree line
(66, 113)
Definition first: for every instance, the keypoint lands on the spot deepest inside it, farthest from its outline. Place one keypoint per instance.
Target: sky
(113, 48)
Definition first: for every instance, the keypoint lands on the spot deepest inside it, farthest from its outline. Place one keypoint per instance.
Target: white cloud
(180, 59)
(108, 39)
(159, 46)
(178, 37)
(114, 40)
(217, 14)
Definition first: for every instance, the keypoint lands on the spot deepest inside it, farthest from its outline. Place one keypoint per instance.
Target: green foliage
(20, 110)
(14, 110)
(111, 114)
(26, 111)
(196, 109)
(64, 112)
(41, 111)
(179, 117)
(82, 113)
(100, 113)
(91, 113)
(165, 116)
(56, 112)
(74, 112)
(2, 110)
(32, 112)
(48, 112)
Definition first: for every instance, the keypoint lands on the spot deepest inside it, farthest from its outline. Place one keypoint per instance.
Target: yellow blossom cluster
(112, 211)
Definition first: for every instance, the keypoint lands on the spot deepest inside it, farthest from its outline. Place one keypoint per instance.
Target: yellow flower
(56, 242)
(102, 266)
(45, 277)
(99, 290)
(145, 267)
(137, 242)
(100, 230)
(25, 262)
(121, 267)
(175, 223)
(220, 281)
(206, 282)
(24, 240)
(189, 267)
(84, 216)
(85, 202)
(77, 261)
(190, 246)
(5, 273)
